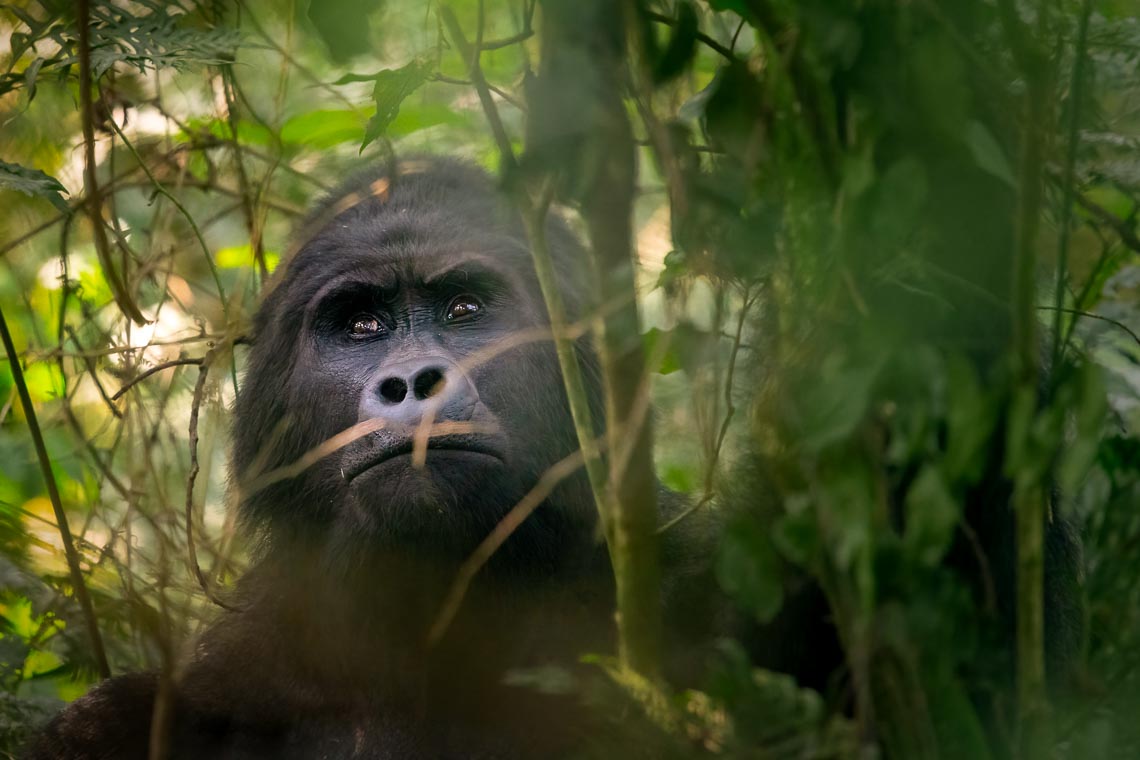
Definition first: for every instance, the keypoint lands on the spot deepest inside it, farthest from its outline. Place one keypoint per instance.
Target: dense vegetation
(887, 249)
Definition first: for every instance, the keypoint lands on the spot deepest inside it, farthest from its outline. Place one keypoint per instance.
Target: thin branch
(730, 410)
(514, 39)
(1123, 230)
(195, 405)
(534, 222)
(736, 34)
(90, 182)
(182, 209)
(475, 72)
(76, 205)
(77, 581)
(718, 47)
(157, 368)
(89, 363)
(468, 83)
(280, 50)
(1101, 317)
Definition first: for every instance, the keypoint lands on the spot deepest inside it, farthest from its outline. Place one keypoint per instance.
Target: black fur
(327, 656)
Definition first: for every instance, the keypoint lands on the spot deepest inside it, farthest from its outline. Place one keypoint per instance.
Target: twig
(534, 222)
(280, 50)
(195, 405)
(514, 39)
(730, 410)
(1101, 317)
(437, 77)
(90, 182)
(178, 205)
(736, 34)
(725, 51)
(89, 363)
(471, 57)
(76, 573)
(1123, 230)
(157, 368)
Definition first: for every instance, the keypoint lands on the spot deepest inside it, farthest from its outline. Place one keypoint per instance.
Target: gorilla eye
(363, 325)
(462, 307)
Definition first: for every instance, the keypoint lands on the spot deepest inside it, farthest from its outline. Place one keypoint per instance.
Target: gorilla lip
(406, 447)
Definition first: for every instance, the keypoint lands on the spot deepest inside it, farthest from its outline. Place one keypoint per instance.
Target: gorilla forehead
(433, 216)
(399, 262)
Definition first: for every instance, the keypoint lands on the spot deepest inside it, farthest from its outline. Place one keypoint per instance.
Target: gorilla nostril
(393, 390)
(428, 383)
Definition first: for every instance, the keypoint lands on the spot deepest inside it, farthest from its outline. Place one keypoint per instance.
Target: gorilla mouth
(405, 447)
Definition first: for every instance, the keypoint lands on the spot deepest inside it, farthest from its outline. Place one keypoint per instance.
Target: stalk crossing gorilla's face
(403, 375)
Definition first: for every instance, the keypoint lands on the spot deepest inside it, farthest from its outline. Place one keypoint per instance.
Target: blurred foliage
(826, 227)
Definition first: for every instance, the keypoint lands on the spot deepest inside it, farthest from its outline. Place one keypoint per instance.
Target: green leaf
(30, 75)
(390, 88)
(248, 132)
(748, 569)
(970, 418)
(681, 478)
(858, 173)
(33, 182)
(1032, 438)
(988, 153)
(414, 117)
(324, 128)
(898, 202)
(1089, 406)
(162, 38)
(831, 406)
(796, 534)
(652, 340)
(931, 516)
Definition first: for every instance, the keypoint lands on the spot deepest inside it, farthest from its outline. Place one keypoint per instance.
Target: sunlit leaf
(324, 128)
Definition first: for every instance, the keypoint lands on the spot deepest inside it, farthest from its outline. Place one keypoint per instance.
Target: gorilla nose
(426, 383)
(407, 392)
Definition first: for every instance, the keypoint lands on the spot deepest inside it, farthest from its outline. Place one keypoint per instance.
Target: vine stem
(1029, 503)
(534, 204)
(1076, 93)
(76, 573)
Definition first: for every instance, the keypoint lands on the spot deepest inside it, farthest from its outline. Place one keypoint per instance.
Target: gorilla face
(401, 365)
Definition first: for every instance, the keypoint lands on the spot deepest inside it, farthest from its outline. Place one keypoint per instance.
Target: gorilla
(402, 394)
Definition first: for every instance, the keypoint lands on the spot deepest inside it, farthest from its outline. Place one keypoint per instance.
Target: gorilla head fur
(410, 297)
